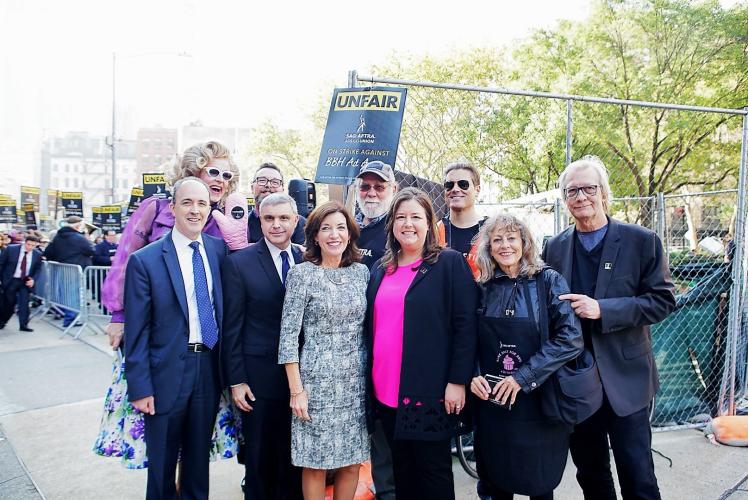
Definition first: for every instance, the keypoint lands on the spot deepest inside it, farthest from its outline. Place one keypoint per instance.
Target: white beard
(372, 211)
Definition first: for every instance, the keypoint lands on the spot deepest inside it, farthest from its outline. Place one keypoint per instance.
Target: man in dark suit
(620, 284)
(104, 251)
(173, 309)
(255, 280)
(19, 267)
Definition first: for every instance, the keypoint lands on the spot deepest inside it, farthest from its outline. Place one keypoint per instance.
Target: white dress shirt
(184, 255)
(275, 252)
(29, 258)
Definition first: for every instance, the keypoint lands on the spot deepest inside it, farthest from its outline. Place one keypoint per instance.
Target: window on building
(67, 182)
(67, 168)
(75, 182)
(54, 167)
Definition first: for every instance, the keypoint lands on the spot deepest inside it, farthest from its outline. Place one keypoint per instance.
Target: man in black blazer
(19, 268)
(173, 313)
(620, 284)
(255, 284)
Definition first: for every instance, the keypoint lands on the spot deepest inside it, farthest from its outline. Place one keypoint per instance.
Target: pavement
(51, 397)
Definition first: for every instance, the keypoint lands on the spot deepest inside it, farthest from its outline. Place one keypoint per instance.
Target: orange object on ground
(731, 430)
(365, 482)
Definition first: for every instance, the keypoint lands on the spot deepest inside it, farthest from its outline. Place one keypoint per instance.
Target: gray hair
(595, 163)
(274, 199)
(177, 185)
(530, 263)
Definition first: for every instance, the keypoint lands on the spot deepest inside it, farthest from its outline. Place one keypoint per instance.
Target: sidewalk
(51, 396)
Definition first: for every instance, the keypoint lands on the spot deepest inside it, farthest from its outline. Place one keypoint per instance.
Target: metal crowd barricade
(95, 314)
(63, 291)
(66, 287)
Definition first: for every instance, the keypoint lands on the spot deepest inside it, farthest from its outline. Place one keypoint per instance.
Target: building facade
(80, 161)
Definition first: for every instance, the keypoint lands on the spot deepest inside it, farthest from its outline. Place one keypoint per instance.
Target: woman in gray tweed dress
(326, 298)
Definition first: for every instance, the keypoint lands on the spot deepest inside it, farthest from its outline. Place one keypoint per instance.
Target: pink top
(389, 312)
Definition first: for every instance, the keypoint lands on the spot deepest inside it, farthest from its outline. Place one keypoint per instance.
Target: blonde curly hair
(530, 263)
(197, 157)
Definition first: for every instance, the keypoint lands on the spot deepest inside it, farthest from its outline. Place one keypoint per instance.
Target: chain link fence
(677, 170)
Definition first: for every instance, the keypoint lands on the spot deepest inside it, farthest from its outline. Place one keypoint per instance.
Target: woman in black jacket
(517, 449)
(421, 328)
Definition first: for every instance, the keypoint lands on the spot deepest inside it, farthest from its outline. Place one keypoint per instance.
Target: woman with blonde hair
(121, 432)
(518, 450)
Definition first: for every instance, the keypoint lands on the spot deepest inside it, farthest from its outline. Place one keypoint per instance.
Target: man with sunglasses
(268, 179)
(376, 186)
(458, 229)
(620, 284)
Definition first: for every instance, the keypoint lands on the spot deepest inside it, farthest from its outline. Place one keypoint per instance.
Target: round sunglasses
(226, 175)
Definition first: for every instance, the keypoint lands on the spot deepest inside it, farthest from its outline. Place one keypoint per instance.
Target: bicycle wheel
(466, 454)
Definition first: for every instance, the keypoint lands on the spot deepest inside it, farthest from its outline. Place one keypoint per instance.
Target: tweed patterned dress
(329, 305)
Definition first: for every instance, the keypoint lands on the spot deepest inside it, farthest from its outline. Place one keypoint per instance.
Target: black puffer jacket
(564, 330)
(70, 247)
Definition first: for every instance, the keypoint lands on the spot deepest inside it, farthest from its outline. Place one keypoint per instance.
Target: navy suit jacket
(156, 318)
(253, 306)
(9, 261)
(634, 291)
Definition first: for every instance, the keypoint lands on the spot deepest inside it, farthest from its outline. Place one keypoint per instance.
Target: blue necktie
(285, 266)
(208, 327)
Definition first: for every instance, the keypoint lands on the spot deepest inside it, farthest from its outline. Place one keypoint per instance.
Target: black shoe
(26, 329)
(243, 483)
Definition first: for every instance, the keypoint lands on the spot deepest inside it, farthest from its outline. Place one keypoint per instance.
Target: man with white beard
(376, 186)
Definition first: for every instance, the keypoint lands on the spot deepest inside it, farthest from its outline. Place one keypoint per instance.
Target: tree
(651, 50)
(665, 51)
(294, 151)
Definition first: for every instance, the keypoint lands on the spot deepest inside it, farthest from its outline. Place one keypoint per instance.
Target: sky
(228, 63)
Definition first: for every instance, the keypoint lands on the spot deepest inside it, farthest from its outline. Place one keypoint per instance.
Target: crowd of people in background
(306, 346)
(22, 253)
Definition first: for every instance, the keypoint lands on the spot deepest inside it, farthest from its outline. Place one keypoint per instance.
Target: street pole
(114, 125)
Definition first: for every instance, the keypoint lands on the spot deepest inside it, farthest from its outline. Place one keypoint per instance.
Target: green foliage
(294, 151)
(671, 51)
(658, 50)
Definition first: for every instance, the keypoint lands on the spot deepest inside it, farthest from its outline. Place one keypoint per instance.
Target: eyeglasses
(573, 192)
(226, 175)
(379, 188)
(463, 184)
(264, 181)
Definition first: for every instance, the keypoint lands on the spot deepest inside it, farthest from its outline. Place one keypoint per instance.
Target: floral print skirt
(122, 429)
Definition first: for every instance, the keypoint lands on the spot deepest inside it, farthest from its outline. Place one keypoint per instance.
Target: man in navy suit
(620, 284)
(173, 309)
(252, 316)
(19, 267)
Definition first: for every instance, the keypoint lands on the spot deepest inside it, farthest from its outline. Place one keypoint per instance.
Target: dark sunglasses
(226, 175)
(379, 188)
(463, 184)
